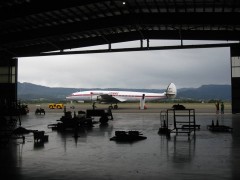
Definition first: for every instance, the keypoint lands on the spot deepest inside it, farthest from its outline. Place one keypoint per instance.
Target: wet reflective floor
(205, 155)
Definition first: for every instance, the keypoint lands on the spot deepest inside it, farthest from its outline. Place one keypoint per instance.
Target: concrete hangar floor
(205, 155)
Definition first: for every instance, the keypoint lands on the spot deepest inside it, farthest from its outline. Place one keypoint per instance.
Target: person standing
(217, 107)
(93, 105)
(222, 108)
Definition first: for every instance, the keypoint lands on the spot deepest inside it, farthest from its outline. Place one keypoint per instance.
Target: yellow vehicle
(56, 106)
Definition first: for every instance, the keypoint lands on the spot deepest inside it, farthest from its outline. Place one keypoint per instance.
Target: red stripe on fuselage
(116, 95)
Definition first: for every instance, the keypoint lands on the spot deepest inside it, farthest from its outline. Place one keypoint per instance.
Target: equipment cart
(183, 120)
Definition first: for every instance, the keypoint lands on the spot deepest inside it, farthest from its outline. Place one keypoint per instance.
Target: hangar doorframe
(235, 77)
(8, 83)
(9, 74)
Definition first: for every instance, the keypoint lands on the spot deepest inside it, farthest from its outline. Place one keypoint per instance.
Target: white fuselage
(122, 96)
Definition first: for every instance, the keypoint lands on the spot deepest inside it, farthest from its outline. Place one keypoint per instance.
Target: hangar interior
(36, 28)
(39, 27)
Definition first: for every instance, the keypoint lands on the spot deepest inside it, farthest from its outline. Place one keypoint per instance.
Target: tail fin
(171, 91)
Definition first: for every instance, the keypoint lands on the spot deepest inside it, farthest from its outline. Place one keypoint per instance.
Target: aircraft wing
(110, 98)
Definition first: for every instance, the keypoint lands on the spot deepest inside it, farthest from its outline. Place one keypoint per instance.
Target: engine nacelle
(99, 98)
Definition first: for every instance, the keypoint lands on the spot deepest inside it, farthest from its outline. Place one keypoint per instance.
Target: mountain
(28, 91)
(206, 92)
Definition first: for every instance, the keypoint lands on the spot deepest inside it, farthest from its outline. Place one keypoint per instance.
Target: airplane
(114, 97)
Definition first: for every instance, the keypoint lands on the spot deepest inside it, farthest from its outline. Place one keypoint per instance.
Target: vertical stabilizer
(171, 91)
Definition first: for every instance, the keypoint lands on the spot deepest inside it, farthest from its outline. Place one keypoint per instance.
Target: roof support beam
(216, 19)
(136, 49)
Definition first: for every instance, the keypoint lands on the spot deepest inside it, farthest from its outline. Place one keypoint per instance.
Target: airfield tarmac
(204, 155)
(134, 107)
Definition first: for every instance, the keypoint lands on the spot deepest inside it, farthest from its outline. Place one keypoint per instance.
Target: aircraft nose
(69, 97)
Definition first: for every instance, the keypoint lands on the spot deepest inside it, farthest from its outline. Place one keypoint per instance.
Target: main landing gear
(113, 107)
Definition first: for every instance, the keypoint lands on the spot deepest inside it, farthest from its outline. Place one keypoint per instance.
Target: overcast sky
(145, 69)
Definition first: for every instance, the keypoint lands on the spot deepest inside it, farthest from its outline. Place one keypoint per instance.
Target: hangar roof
(31, 27)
